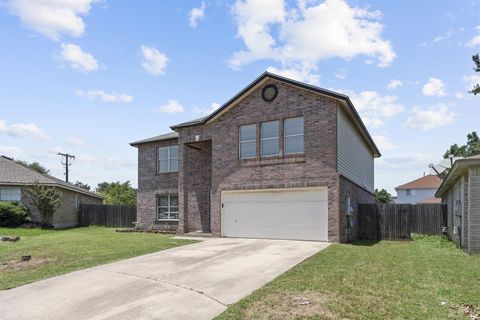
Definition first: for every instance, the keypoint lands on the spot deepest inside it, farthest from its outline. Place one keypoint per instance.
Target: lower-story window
(10, 194)
(167, 207)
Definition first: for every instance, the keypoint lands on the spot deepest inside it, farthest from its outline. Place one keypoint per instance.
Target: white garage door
(300, 214)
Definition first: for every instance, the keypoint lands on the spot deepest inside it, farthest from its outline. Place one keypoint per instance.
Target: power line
(66, 163)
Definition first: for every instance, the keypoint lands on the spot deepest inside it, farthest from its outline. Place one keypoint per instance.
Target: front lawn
(56, 252)
(428, 278)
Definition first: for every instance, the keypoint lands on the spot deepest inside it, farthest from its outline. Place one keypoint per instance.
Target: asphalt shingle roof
(427, 182)
(12, 173)
(166, 136)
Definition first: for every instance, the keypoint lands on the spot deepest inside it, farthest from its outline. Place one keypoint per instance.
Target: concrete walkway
(196, 281)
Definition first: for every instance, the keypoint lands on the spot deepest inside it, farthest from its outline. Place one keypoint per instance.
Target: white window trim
(169, 158)
(270, 138)
(246, 141)
(285, 136)
(168, 207)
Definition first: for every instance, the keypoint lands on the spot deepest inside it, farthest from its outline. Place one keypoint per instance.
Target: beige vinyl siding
(355, 160)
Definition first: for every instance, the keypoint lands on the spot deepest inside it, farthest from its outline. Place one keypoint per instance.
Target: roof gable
(267, 75)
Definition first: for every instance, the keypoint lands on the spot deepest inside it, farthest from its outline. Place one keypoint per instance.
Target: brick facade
(151, 183)
(66, 215)
(209, 160)
(357, 194)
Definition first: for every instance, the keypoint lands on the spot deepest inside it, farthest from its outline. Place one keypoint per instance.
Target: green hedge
(12, 214)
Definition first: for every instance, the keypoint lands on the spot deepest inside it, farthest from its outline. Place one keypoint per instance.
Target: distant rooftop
(12, 173)
(166, 136)
(427, 182)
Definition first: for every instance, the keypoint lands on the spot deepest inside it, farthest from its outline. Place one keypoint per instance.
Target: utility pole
(66, 164)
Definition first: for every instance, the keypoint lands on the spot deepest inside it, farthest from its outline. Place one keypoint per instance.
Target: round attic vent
(269, 92)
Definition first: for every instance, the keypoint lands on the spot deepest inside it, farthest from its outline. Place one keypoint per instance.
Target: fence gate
(399, 221)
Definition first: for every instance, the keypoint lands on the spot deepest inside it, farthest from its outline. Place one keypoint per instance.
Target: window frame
(169, 158)
(10, 189)
(285, 136)
(240, 141)
(168, 206)
(270, 138)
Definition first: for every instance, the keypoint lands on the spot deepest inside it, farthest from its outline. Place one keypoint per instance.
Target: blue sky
(89, 77)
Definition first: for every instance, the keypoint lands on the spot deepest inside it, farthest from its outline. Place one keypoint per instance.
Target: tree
(34, 166)
(82, 185)
(382, 196)
(117, 193)
(45, 199)
(472, 147)
(476, 60)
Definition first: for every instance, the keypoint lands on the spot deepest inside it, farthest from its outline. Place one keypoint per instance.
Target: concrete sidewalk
(196, 281)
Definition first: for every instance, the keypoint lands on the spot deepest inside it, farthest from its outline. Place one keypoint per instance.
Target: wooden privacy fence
(106, 215)
(399, 221)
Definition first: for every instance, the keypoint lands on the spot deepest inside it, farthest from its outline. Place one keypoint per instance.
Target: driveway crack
(166, 282)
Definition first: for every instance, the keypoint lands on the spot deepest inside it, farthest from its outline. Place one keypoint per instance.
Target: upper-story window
(410, 192)
(293, 135)
(248, 141)
(270, 137)
(168, 159)
(10, 194)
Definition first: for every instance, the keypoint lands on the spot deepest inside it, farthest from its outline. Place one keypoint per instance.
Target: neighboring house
(460, 190)
(281, 159)
(421, 190)
(15, 177)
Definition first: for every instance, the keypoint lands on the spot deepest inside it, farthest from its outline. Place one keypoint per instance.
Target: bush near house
(12, 214)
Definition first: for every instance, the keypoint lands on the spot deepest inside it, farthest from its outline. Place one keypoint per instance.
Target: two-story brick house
(281, 159)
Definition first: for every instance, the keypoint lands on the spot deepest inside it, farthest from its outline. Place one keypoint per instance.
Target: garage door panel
(301, 215)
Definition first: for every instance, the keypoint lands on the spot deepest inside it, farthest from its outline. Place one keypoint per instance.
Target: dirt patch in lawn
(16, 265)
(288, 306)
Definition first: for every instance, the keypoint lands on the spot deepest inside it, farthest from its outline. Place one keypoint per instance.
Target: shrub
(12, 214)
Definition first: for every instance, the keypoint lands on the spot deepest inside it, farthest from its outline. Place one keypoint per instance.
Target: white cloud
(405, 161)
(471, 80)
(459, 95)
(106, 97)
(87, 158)
(76, 142)
(475, 41)
(299, 74)
(196, 14)
(428, 118)
(172, 106)
(51, 17)
(23, 130)
(384, 143)
(10, 151)
(434, 87)
(341, 73)
(206, 111)
(154, 61)
(302, 37)
(394, 84)
(375, 108)
(372, 123)
(78, 59)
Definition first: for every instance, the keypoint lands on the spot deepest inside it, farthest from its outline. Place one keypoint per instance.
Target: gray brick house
(281, 159)
(15, 177)
(460, 190)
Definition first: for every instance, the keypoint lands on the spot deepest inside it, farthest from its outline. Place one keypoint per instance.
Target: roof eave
(458, 168)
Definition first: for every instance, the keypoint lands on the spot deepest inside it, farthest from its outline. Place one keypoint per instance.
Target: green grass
(56, 252)
(427, 278)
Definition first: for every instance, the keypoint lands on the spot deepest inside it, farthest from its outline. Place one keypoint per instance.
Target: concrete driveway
(196, 281)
